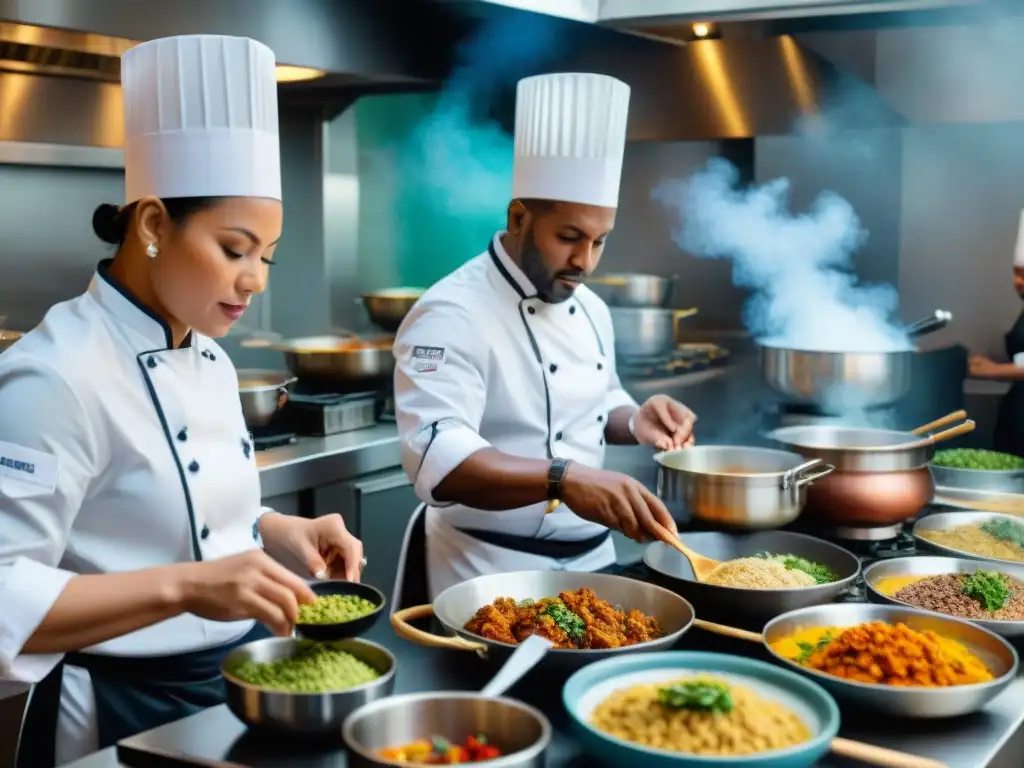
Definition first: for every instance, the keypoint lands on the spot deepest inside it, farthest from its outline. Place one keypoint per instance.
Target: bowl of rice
(693, 708)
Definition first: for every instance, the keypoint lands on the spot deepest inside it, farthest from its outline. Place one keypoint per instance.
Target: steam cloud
(797, 265)
(458, 153)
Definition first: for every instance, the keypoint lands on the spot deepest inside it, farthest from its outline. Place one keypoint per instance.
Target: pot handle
(681, 314)
(282, 397)
(795, 478)
(400, 624)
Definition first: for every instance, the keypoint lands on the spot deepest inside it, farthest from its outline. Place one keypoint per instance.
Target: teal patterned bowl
(592, 684)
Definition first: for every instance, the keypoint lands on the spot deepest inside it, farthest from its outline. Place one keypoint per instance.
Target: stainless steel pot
(737, 486)
(750, 607)
(388, 308)
(855, 449)
(939, 566)
(7, 339)
(521, 731)
(646, 332)
(840, 381)
(309, 713)
(458, 604)
(629, 289)
(263, 394)
(349, 364)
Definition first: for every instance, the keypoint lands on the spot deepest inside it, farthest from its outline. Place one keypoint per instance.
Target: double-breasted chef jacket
(117, 453)
(483, 362)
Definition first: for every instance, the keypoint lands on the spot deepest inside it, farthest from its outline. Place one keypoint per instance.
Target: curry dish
(572, 621)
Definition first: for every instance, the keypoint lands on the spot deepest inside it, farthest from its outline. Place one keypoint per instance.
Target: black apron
(133, 694)
(1009, 433)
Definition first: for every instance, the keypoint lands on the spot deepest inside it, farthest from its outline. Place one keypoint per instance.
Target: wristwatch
(630, 425)
(556, 472)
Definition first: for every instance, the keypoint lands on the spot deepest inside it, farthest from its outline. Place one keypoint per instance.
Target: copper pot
(869, 498)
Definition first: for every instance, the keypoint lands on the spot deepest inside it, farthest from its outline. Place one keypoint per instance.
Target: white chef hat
(570, 137)
(1018, 250)
(200, 115)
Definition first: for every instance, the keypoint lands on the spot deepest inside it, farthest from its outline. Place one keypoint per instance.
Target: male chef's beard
(549, 289)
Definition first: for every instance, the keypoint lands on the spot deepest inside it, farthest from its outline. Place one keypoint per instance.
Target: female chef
(130, 517)
(1009, 432)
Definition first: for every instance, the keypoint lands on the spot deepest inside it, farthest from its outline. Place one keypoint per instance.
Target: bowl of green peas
(974, 468)
(342, 609)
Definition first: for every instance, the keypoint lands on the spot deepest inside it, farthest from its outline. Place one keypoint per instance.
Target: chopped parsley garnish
(566, 620)
(989, 588)
(808, 649)
(1004, 530)
(700, 695)
(816, 571)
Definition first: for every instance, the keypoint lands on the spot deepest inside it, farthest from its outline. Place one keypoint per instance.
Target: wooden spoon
(866, 753)
(702, 566)
(949, 418)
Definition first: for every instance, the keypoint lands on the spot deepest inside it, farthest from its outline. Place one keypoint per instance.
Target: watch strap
(556, 472)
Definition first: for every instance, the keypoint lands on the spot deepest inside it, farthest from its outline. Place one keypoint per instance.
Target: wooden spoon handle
(949, 434)
(890, 758)
(949, 418)
(722, 629)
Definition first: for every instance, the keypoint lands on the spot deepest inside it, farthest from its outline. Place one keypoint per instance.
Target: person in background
(505, 385)
(130, 517)
(1009, 432)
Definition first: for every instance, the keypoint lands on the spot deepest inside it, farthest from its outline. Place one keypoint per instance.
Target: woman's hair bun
(108, 224)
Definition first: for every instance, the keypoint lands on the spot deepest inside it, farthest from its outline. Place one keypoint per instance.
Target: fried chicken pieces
(573, 620)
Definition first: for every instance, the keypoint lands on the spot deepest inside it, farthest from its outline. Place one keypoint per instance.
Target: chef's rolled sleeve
(440, 392)
(41, 417)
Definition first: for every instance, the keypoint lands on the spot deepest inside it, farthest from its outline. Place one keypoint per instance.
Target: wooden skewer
(949, 418)
(889, 758)
(727, 631)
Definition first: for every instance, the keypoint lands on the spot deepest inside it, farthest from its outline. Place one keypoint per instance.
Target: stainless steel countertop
(315, 461)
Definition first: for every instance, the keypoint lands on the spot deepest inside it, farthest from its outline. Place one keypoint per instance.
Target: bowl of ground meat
(989, 594)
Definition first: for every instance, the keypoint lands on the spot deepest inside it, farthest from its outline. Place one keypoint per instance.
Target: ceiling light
(702, 29)
(289, 74)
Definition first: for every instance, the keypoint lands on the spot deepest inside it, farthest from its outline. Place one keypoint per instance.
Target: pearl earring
(152, 250)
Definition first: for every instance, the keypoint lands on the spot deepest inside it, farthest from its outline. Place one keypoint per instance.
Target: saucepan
(629, 289)
(389, 307)
(520, 731)
(737, 486)
(644, 332)
(263, 394)
(838, 380)
(881, 476)
(458, 604)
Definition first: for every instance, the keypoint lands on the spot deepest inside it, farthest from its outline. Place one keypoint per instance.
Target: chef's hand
(664, 423)
(323, 544)
(247, 586)
(615, 501)
(981, 367)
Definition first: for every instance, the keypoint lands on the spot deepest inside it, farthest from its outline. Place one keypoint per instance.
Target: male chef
(505, 386)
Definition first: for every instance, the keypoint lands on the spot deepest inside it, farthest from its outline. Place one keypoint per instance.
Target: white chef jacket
(138, 454)
(483, 362)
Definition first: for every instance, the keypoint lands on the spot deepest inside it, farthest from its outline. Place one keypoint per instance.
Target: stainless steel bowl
(983, 501)
(997, 480)
(303, 712)
(939, 566)
(736, 486)
(903, 701)
(520, 731)
(750, 607)
(633, 290)
(943, 521)
(263, 394)
(389, 307)
(457, 605)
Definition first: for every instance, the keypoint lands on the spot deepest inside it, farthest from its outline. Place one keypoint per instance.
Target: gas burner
(328, 414)
(686, 358)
